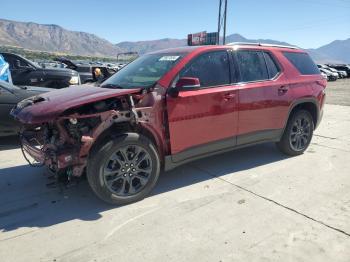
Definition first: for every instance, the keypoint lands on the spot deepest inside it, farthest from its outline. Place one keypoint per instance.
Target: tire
(294, 132)
(123, 170)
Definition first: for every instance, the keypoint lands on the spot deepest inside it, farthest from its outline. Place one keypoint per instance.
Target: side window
(212, 69)
(252, 66)
(272, 67)
(15, 62)
(302, 62)
(9, 59)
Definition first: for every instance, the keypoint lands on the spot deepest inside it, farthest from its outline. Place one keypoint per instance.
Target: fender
(298, 102)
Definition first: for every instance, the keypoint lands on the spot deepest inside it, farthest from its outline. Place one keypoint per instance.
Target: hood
(67, 62)
(28, 91)
(36, 89)
(48, 106)
(59, 71)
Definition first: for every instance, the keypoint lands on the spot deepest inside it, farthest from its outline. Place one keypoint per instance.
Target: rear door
(204, 119)
(264, 96)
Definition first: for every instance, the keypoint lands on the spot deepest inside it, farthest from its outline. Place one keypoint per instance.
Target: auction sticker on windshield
(169, 58)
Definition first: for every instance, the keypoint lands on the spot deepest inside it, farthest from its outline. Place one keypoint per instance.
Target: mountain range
(54, 38)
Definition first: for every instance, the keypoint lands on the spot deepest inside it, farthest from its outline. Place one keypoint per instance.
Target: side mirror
(183, 84)
(188, 83)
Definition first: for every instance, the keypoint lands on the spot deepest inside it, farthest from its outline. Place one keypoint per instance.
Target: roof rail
(263, 44)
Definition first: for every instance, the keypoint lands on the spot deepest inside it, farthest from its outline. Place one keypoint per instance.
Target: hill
(53, 38)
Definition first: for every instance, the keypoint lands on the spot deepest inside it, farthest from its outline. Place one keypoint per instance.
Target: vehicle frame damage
(64, 144)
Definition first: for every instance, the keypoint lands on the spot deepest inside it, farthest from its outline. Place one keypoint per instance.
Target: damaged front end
(63, 144)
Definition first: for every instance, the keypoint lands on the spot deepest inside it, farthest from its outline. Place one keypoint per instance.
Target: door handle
(229, 96)
(283, 89)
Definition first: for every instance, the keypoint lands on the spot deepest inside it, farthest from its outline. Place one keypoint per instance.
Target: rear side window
(303, 63)
(272, 67)
(252, 66)
(212, 69)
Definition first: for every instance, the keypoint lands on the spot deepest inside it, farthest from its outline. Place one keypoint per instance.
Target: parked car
(342, 67)
(342, 74)
(325, 76)
(334, 71)
(170, 107)
(10, 95)
(25, 72)
(87, 71)
(331, 76)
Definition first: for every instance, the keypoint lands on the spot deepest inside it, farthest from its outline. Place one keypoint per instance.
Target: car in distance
(25, 72)
(341, 67)
(170, 107)
(10, 96)
(331, 76)
(87, 71)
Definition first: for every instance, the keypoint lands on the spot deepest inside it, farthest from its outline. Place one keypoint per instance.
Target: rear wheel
(298, 134)
(124, 170)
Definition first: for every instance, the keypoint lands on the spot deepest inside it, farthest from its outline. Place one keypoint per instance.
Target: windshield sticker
(169, 58)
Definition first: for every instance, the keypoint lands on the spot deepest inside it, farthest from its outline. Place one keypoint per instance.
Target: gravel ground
(338, 92)
(253, 204)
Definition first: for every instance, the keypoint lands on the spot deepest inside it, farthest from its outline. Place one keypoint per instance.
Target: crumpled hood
(48, 106)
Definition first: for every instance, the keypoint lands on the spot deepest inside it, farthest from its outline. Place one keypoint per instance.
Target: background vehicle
(342, 67)
(330, 75)
(324, 75)
(336, 73)
(87, 71)
(27, 73)
(173, 106)
(10, 95)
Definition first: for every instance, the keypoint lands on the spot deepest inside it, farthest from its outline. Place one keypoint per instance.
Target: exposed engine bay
(63, 145)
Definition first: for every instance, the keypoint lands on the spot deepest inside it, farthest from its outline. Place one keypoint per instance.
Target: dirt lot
(338, 92)
(252, 204)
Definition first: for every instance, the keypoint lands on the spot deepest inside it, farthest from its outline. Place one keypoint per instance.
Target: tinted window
(302, 62)
(252, 66)
(212, 69)
(272, 67)
(12, 61)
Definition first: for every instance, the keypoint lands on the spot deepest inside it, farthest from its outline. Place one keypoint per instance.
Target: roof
(262, 44)
(188, 49)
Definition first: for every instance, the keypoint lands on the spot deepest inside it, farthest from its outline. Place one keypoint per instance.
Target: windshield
(143, 72)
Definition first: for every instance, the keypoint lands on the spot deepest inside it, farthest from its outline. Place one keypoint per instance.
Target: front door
(21, 71)
(204, 119)
(7, 101)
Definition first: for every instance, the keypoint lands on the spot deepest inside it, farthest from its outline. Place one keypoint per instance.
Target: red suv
(171, 107)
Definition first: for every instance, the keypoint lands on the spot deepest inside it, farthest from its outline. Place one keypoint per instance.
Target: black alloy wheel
(298, 133)
(123, 170)
(128, 170)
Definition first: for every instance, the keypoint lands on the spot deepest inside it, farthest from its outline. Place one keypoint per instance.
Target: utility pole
(222, 20)
(224, 39)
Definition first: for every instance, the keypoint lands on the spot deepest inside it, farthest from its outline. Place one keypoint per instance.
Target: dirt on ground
(338, 92)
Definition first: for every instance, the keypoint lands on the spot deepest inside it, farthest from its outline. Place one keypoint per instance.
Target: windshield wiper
(112, 86)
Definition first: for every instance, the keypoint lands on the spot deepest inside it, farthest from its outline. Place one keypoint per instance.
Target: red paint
(194, 117)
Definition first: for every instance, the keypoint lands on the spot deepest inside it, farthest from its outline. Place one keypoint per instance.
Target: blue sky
(306, 23)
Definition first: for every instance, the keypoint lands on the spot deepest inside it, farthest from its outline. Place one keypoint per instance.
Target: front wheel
(298, 134)
(124, 170)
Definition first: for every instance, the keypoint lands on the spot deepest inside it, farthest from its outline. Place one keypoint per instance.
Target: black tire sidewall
(99, 157)
(285, 145)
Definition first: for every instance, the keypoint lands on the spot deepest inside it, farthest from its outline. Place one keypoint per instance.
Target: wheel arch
(309, 104)
(120, 129)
